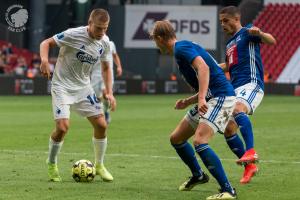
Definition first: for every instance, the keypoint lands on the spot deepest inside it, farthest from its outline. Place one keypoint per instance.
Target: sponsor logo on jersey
(84, 57)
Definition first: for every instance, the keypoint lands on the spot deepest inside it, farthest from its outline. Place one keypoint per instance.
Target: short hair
(230, 10)
(99, 15)
(163, 29)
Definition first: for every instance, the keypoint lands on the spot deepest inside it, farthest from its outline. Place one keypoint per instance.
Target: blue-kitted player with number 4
(243, 61)
(80, 49)
(215, 102)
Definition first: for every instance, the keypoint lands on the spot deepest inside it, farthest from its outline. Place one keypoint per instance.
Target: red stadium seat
(282, 21)
(18, 52)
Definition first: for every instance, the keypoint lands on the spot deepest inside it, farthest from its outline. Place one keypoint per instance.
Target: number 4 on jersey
(243, 92)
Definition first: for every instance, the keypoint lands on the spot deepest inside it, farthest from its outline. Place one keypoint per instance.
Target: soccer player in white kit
(96, 77)
(80, 49)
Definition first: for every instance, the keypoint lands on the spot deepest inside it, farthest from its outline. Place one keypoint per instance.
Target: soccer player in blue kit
(243, 61)
(215, 102)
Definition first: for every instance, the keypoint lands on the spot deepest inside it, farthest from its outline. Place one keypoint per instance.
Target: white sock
(99, 149)
(54, 149)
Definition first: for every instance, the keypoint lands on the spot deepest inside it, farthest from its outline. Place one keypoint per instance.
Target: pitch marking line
(138, 155)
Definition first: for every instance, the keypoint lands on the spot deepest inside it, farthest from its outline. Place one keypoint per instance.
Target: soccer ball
(83, 171)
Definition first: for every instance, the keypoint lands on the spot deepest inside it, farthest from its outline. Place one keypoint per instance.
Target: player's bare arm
(224, 67)
(107, 74)
(183, 103)
(203, 79)
(117, 61)
(266, 38)
(44, 53)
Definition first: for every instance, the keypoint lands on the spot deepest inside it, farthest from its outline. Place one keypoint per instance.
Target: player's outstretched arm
(203, 78)
(44, 53)
(183, 103)
(266, 38)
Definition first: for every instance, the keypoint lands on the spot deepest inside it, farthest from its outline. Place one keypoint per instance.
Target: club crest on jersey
(84, 57)
(230, 44)
(60, 36)
(101, 51)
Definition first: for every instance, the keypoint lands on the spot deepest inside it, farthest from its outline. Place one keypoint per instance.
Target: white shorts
(219, 111)
(86, 105)
(250, 95)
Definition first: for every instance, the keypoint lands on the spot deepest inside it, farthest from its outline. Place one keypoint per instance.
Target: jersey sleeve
(63, 38)
(106, 49)
(112, 47)
(252, 38)
(186, 52)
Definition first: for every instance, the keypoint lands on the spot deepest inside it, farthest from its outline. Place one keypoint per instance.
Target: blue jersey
(244, 60)
(185, 52)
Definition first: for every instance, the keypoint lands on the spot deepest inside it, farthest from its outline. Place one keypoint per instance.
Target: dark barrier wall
(41, 86)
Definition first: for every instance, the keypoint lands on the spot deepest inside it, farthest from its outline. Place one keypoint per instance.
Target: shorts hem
(210, 124)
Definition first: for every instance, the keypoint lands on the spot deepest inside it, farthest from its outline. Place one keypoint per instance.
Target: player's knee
(101, 125)
(62, 128)
(239, 108)
(203, 139)
(174, 139)
(230, 129)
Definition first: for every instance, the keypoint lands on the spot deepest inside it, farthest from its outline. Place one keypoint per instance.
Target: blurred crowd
(15, 64)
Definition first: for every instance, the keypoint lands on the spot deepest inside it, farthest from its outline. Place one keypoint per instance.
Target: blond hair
(163, 29)
(99, 15)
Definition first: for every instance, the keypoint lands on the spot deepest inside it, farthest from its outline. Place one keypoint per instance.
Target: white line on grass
(137, 155)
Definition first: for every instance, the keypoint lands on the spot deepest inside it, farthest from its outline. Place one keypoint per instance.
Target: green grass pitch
(139, 155)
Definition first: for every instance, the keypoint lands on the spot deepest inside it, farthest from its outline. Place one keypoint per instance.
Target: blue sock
(107, 117)
(245, 126)
(236, 145)
(187, 155)
(213, 164)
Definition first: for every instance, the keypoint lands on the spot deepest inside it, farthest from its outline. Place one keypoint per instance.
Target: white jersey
(112, 48)
(96, 75)
(78, 54)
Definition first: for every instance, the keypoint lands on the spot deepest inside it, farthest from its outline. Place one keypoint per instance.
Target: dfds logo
(192, 26)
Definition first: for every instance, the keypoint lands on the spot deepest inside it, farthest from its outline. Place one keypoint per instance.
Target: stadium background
(145, 69)
(143, 163)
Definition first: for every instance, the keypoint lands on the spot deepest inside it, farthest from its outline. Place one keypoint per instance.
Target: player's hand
(202, 106)
(119, 71)
(254, 31)
(45, 69)
(181, 104)
(112, 103)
